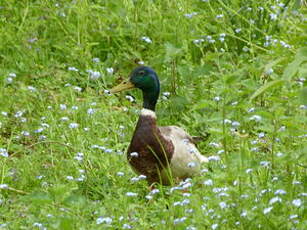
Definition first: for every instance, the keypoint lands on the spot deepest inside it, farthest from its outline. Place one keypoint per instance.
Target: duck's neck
(150, 99)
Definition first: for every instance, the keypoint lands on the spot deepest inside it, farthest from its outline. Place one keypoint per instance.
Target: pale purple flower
(275, 199)
(280, 192)
(131, 194)
(190, 15)
(4, 186)
(214, 226)
(63, 106)
(110, 70)
(69, 177)
(267, 210)
(96, 60)
(71, 68)
(3, 152)
(73, 125)
(256, 118)
(146, 39)
(208, 182)
(297, 202)
(104, 220)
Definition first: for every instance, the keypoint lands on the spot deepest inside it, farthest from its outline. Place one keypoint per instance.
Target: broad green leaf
(39, 198)
(266, 87)
(303, 96)
(292, 68)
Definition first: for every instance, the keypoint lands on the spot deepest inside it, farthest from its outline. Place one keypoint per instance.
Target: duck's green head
(145, 79)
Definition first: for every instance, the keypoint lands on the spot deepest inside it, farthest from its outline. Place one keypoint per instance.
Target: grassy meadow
(231, 71)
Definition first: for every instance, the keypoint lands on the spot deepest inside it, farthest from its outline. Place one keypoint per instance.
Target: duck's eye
(142, 72)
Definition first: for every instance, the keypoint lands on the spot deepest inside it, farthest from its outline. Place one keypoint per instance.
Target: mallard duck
(162, 154)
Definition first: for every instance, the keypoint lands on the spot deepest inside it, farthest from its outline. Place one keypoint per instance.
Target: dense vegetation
(232, 71)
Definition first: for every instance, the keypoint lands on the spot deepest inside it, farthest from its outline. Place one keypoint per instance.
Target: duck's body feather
(163, 152)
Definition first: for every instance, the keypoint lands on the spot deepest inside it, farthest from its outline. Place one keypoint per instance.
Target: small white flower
(208, 182)
(90, 111)
(74, 107)
(214, 158)
(134, 179)
(73, 125)
(235, 123)
(265, 163)
(4, 186)
(96, 60)
(110, 70)
(104, 220)
(146, 39)
(211, 41)
(219, 16)
(223, 205)
(269, 71)
(73, 69)
(256, 118)
(63, 106)
(267, 210)
(77, 88)
(190, 15)
(18, 114)
(93, 75)
(179, 220)
(126, 226)
(243, 213)
(3, 152)
(279, 154)
(251, 110)
(214, 226)
(142, 177)
(220, 151)
(120, 174)
(275, 199)
(297, 202)
(261, 135)
(217, 98)
(227, 121)
(39, 130)
(13, 75)
(198, 41)
(69, 177)
(293, 216)
(64, 118)
(273, 17)
(31, 88)
(214, 144)
(79, 156)
(248, 170)
(191, 227)
(280, 192)
(131, 194)
(39, 225)
(25, 133)
(238, 30)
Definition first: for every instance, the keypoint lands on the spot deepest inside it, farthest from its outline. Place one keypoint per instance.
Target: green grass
(246, 89)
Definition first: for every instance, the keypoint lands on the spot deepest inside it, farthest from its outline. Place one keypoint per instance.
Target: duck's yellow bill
(122, 86)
